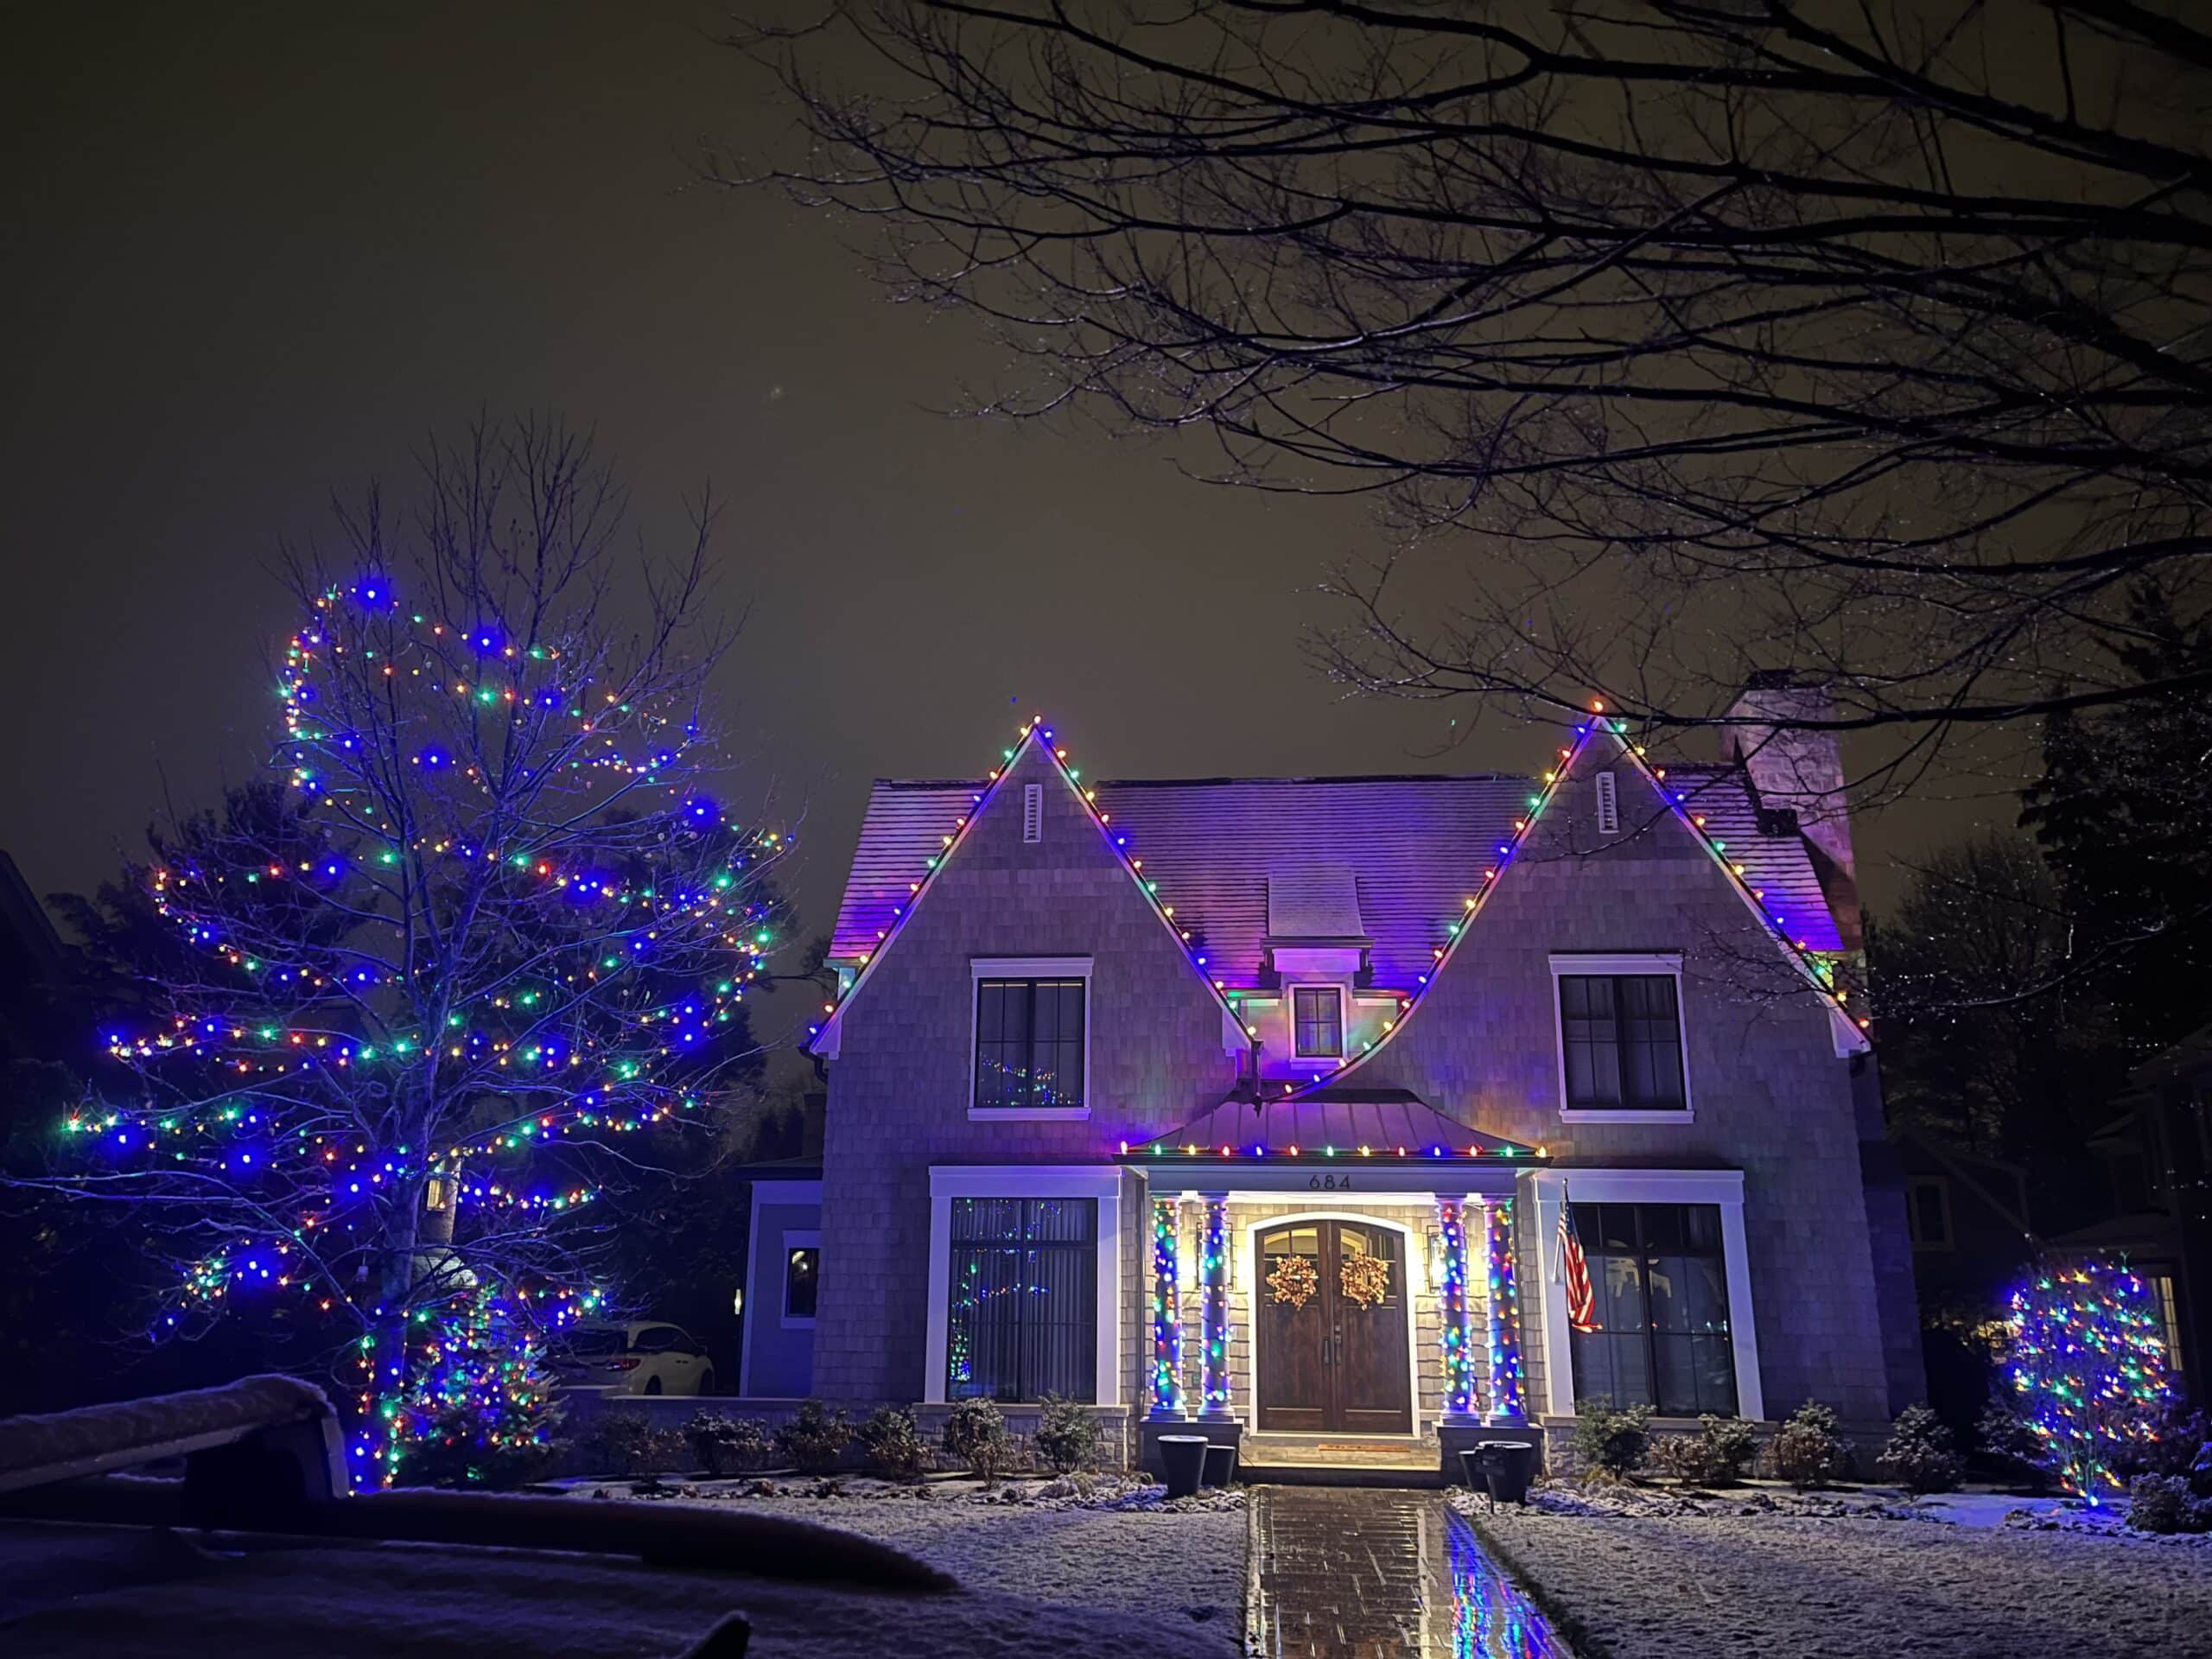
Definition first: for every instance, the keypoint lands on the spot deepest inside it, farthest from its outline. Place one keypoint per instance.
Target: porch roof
(1372, 1123)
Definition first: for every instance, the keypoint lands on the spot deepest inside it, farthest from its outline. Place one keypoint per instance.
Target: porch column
(1167, 1314)
(1213, 1310)
(1458, 1362)
(1505, 1316)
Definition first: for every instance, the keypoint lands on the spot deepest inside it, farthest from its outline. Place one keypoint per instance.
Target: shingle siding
(898, 1097)
(1768, 1093)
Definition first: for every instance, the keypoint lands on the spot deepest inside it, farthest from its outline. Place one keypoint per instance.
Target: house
(1270, 1105)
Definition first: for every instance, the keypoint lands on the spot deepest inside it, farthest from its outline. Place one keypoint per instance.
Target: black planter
(1506, 1468)
(1183, 1456)
(1220, 1465)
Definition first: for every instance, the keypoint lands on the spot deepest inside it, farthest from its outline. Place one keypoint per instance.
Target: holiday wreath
(1366, 1279)
(1294, 1280)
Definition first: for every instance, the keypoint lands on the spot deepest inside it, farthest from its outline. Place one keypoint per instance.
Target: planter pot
(1505, 1468)
(1184, 1457)
(1221, 1466)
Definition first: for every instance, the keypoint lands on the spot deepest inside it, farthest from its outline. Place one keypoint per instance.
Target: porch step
(1339, 1460)
(1340, 1474)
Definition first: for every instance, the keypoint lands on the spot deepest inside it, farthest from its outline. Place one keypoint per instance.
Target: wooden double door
(1331, 1344)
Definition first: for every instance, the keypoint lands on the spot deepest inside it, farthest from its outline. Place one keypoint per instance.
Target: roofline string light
(1117, 843)
(1456, 931)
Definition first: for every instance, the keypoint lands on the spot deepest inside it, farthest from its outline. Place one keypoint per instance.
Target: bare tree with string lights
(472, 956)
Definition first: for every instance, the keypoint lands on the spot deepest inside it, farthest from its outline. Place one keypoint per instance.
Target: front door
(1329, 1319)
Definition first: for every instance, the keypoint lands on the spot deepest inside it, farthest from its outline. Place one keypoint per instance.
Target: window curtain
(1023, 1319)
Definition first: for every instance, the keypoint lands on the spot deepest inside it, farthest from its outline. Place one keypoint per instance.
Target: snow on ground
(1652, 1576)
(126, 1594)
(1112, 1544)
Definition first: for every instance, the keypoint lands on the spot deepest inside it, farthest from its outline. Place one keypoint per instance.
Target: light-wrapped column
(1166, 1313)
(1505, 1316)
(1213, 1321)
(1459, 1359)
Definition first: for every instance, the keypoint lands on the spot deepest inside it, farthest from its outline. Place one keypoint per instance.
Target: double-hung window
(1621, 1042)
(1023, 1287)
(1661, 1289)
(1029, 1045)
(1317, 1015)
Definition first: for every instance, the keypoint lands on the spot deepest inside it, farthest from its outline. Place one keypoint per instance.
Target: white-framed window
(1682, 1306)
(1609, 804)
(1621, 1056)
(1030, 1050)
(1032, 812)
(1928, 1212)
(1316, 1021)
(801, 1276)
(1025, 1282)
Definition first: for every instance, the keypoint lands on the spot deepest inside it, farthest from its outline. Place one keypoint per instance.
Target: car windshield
(594, 1341)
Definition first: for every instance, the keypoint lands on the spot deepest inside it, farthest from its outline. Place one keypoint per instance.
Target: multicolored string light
(494, 914)
(1167, 1314)
(1213, 1310)
(2089, 1366)
(1504, 1308)
(1458, 1362)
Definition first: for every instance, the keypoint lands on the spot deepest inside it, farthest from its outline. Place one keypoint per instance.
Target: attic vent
(1032, 812)
(1609, 805)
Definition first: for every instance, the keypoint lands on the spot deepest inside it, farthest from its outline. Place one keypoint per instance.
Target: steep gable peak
(1037, 758)
(1600, 739)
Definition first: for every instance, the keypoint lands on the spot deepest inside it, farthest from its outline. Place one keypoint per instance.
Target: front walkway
(1339, 1574)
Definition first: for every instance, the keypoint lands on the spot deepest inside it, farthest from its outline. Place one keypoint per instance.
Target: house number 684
(1329, 1184)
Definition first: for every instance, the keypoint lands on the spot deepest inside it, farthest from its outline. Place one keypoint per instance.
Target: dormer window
(1318, 1021)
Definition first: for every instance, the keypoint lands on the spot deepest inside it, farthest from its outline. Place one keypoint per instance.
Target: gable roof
(1415, 848)
(921, 835)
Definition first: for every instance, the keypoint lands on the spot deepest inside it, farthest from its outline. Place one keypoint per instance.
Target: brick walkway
(1344, 1573)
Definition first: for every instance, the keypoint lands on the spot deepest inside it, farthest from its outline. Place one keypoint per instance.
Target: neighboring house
(2155, 1163)
(1257, 1101)
(1966, 1217)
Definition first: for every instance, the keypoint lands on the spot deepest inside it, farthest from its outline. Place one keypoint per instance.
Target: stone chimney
(1799, 773)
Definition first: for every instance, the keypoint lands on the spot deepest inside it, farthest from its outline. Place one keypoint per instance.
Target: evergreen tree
(2121, 812)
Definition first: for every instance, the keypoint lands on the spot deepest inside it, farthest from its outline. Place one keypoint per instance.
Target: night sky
(253, 253)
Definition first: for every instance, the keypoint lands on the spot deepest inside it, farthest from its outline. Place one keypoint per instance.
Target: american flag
(1582, 1300)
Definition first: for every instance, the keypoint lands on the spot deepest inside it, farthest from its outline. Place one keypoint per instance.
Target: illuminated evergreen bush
(2089, 1366)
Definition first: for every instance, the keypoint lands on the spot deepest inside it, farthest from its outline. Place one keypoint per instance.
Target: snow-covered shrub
(462, 1447)
(895, 1447)
(2165, 1504)
(2177, 1433)
(1919, 1456)
(975, 1432)
(627, 1443)
(725, 1445)
(1716, 1455)
(1807, 1450)
(1067, 1435)
(813, 1439)
(2012, 1443)
(1609, 1439)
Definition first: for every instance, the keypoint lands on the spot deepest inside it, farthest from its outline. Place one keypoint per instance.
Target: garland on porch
(1365, 1279)
(1295, 1282)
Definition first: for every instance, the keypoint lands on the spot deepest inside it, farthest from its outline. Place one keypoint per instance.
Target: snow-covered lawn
(1115, 1548)
(1766, 1573)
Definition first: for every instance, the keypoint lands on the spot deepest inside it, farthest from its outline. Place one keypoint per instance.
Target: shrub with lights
(478, 954)
(2090, 1366)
